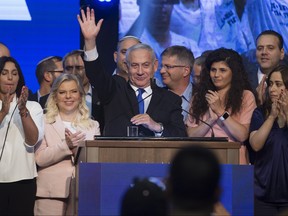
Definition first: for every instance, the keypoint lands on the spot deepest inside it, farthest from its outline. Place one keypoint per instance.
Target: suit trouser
(17, 198)
(270, 209)
(45, 206)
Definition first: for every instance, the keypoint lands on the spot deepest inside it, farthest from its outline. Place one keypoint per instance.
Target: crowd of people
(78, 99)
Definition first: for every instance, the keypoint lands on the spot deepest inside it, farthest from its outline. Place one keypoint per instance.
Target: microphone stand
(211, 128)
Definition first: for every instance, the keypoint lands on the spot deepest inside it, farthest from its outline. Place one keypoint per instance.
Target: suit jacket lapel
(132, 100)
(59, 127)
(94, 96)
(155, 99)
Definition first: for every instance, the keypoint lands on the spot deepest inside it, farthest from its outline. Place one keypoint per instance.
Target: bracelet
(24, 114)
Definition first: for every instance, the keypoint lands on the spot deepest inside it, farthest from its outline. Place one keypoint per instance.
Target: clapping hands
(215, 104)
(73, 139)
(6, 100)
(23, 98)
(283, 103)
(280, 106)
(261, 90)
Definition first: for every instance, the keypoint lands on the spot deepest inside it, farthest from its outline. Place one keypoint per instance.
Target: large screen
(33, 30)
(203, 24)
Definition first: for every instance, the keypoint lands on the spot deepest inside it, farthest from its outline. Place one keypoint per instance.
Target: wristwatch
(161, 127)
(224, 116)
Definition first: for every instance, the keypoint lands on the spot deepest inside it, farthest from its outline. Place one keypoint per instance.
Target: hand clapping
(283, 103)
(261, 89)
(214, 102)
(73, 139)
(6, 103)
(23, 99)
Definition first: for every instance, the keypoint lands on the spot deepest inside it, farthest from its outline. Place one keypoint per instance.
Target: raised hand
(89, 28)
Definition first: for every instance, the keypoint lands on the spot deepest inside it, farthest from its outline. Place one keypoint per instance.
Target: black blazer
(97, 112)
(120, 104)
(42, 100)
(251, 69)
(32, 96)
(252, 72)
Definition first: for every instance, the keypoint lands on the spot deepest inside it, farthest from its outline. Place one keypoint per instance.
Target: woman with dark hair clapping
(224, 100)
(269, 138)
(21, 128)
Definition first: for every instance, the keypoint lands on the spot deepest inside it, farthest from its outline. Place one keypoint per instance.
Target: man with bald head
(4, 51)
(119, 55)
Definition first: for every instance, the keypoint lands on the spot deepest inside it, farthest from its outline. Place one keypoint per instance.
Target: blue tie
(140, 100)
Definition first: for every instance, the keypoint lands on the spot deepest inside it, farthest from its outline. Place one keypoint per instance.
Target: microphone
(211, 128)
(6, 133)
(131, 107)
(143, 99)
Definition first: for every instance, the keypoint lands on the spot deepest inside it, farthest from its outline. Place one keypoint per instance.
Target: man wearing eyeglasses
(47, 70)
(156, 111)
(177, 64)
(73, 63)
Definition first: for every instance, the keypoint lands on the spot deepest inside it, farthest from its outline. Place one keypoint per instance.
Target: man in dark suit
(47, 70)
(162, 109)
(269, 53)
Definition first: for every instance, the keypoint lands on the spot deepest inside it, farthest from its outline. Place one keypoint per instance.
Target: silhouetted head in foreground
(193, 184)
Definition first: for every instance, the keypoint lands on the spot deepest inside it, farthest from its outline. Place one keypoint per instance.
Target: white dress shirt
(17, 161)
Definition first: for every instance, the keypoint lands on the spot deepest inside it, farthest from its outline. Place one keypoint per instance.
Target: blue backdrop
(52, 30)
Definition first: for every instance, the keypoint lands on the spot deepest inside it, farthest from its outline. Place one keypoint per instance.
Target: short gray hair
(138, 47)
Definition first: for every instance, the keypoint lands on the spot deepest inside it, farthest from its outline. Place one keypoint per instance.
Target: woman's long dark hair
(239, 82)
(21, 82)
(283, 69)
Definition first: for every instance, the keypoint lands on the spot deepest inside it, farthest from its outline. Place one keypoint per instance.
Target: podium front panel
(102, 186)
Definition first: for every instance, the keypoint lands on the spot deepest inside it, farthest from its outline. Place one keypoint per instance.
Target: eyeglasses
(77, 67)
(56, 71)
(169, 67)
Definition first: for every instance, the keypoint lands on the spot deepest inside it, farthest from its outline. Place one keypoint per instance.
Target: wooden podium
(143, 151)
(150, 150)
